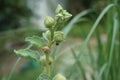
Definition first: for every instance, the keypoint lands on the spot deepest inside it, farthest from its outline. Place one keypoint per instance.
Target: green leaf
(36, 40)
(29, 54)
(44, 77)
(45, 37)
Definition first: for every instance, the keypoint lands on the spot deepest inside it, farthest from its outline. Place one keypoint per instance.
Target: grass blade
(115, 29)
(67, 29)
(14, 66)
(101, 71)
(79, 64)
(13, 69)
(94, 27)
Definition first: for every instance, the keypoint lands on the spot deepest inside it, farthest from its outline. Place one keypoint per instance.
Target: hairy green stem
(52, 34)
(47, 64)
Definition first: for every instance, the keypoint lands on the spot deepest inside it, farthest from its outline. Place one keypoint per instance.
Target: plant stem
(13, 69)
(52, 34)
(47, 64)
(47, 54)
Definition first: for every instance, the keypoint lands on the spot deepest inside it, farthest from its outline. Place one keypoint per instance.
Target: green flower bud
(59, 77)
(61, 15)
(49, 22)
(48, 35)
(59, 36)
(59, 9)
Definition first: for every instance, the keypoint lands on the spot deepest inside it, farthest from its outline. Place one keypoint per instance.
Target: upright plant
(45, 44)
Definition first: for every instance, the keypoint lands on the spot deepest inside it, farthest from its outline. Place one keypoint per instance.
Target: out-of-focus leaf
(36, 40)
(29, 54)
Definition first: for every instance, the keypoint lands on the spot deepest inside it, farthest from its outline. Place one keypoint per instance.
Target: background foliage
(14, 14)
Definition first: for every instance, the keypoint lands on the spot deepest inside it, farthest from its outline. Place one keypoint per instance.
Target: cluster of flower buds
(61, 17)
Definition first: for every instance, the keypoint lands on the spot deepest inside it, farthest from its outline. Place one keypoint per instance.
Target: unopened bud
(59, 36)
(59, 77)
(62, 15)
(49, 22)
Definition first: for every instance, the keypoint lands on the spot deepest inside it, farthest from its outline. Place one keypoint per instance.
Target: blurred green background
(100, 55)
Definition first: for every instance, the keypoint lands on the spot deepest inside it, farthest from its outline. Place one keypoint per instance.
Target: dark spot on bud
(57, 43)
